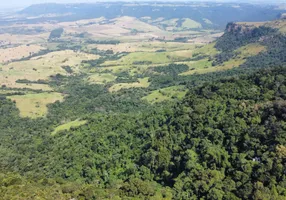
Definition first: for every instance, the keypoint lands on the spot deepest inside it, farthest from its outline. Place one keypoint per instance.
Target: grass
(143, 46)
(198, 66)
(130, 64)
(166, 94)
(190, 24)
(170, 22)
(35, 105)
(208, 49)
(42, 67)
(101, 78)
(204, 66)
(142, 82)
(18, 52)
(158, 57)
(68, 126)
(251, 50)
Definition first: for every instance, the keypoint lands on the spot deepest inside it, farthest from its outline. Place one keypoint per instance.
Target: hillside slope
(225, 140)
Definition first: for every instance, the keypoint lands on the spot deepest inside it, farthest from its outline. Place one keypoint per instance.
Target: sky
(24, 3)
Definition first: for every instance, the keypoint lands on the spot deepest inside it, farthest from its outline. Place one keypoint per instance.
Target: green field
(35, 105)
(101, 78)
(165, 94)
(191, 24)
(68, 126)
(142, 82)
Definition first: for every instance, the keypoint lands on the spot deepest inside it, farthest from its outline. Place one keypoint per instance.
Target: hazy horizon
(25, 3)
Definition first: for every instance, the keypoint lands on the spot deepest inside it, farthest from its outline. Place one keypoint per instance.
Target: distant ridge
(217, 12)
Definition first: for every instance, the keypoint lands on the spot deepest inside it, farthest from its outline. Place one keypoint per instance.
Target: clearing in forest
(142, 82)
(35, 105)
(164, 94)
(68, 126)
(101, 78)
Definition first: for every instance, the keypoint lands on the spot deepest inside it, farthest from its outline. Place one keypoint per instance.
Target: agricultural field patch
(35, 105)
(165, 94)
(198, 66)
(251, 50)
(191, 24)
(9, 54)
(138, 58)
(101, 78)
(225, 66)
(143, 46)
(142, 82)
(68, 126)
(14, 39)
(41, 68)
(208, 49)
(205, 66)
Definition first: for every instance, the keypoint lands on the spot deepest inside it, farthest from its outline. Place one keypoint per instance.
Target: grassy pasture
(19, 52)
(35, 105)
(14, 39)
(101, 78)
(143, 46)
(131, 58)
(204, 66)
(41, 67)
(68, 126)
(190, 24)
(174, 92)
(152, 57)
(208, 49)
(198, 66)
(251, 50)
(142, 82)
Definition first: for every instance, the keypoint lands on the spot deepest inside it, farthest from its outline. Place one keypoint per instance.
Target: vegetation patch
(101, 78)
(142, 82)
(35, 105)
(251, 50)
(41, 68)
(191, 24)
(68, 126)
(139, 56)
(19, 52)
(165, 94)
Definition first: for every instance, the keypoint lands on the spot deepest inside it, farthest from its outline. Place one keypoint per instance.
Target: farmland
(117, 53)
(35, 105)
(143, 100)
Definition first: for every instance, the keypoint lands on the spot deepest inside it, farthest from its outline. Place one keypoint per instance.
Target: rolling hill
(142, 117)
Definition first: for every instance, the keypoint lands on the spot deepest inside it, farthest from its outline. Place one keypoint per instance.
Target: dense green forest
(225, 140)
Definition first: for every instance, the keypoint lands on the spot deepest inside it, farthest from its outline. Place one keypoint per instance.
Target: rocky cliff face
(240, 29)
